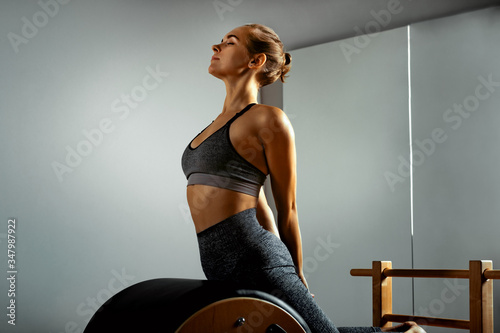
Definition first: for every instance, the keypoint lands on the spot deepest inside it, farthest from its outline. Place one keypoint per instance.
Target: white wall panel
(457, 186)
(350, 115)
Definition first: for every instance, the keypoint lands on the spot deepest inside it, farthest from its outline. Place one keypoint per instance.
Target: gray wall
(349, 103)
(120, 215)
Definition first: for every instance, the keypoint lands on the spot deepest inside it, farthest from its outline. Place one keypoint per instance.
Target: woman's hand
(408, 327)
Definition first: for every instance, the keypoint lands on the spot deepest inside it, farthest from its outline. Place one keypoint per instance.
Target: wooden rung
(429, 273)
(492, 274)
(418, 273)
(361, 272)
(429, 321)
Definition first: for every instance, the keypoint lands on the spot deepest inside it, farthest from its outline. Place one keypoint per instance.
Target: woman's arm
(280, 154)
(265, 215)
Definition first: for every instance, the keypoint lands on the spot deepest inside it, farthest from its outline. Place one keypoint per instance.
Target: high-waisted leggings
(239, 250)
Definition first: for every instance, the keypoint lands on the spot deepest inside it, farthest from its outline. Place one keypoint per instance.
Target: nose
(216, 48)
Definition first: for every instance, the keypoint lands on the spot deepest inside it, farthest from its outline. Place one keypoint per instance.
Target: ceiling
(302, 23)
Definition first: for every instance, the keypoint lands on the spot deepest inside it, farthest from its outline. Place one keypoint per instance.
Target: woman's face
(231, 57)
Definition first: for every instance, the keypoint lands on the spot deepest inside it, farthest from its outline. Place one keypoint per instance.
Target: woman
(226, 166)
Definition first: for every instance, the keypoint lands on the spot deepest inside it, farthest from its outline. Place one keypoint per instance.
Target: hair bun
(286, 66)
(288, 58)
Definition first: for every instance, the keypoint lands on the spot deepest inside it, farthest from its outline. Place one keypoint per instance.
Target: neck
(239, 94)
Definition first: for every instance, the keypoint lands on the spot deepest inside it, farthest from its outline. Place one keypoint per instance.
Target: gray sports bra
(216, 162)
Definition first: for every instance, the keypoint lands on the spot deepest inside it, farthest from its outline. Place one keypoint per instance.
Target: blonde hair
(262, 39)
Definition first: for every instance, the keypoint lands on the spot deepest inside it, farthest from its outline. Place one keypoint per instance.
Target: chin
(213, 72)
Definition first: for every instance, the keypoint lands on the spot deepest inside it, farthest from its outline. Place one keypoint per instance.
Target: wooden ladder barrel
(187, 306)
(241, 314)
(480, 275)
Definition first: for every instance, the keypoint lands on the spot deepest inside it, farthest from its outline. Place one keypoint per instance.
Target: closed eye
(229, 38)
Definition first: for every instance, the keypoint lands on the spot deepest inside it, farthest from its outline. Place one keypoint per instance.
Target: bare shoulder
(268, 111)
(272, 118)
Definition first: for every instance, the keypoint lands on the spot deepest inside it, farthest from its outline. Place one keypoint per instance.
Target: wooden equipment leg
(382, 293)
(480, 297)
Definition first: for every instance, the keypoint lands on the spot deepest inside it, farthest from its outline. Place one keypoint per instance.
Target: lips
(215, 58)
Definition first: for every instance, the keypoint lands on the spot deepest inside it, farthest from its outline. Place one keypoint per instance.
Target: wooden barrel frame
(240, 315)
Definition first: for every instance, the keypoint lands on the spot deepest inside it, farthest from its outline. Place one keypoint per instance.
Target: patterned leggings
(239, 250)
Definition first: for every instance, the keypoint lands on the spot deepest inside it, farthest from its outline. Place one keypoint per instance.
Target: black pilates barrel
(162, 305)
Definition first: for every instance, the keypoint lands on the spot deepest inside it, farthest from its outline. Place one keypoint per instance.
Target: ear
(257, 61)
